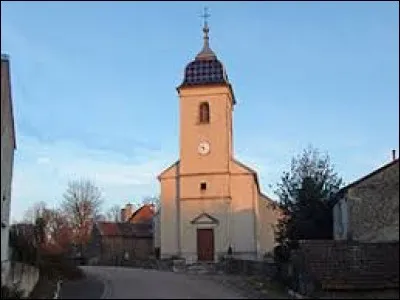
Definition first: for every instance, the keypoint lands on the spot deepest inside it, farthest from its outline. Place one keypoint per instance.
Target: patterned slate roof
(201, 71)
(206, 69)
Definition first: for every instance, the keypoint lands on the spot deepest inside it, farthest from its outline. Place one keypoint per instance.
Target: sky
(94, 96)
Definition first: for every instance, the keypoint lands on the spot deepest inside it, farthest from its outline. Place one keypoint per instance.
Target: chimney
(128, 211)
(393, 154)
(5, 57)
(123, 215)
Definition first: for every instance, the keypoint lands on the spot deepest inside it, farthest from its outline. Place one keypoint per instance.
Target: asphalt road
(128, 283)
(90, 287)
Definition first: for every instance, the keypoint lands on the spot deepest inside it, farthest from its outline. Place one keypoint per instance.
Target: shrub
(268, 255)
(58, 266)
(22, 248)
(176, 257)
(10, 292)
(281, 253)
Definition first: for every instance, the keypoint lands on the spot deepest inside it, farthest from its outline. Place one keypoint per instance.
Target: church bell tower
(206, 106)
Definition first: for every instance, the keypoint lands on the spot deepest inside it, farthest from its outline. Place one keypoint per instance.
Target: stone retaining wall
(348, 265)
(22, 276)
(237, 266)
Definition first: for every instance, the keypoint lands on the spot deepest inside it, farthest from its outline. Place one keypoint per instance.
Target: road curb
(107, 288)
(296, 295)
(106, 291)
(57, 291)
(101, 279)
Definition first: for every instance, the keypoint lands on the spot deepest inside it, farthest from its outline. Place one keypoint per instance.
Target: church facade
(211, 202)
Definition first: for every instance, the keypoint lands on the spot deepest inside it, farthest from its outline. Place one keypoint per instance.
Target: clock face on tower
(203, 148)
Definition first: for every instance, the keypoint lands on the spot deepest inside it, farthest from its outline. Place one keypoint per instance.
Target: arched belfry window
(204, 112)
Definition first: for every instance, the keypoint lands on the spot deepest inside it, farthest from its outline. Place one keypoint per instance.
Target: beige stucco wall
(217, 186)
(216, 132)
(244, 218)
(244, 195)
(232, 195)
(268, 220)
(169, 213)
(7, 160)
(190, 209)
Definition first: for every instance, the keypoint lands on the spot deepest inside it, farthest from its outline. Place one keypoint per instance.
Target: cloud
(43, 160)
(42, 171)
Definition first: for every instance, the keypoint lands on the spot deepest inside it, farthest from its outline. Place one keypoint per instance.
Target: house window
(204, 113)
(203, 186)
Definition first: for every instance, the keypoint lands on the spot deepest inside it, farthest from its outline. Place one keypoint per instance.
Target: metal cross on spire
(205, 16)
(206, 52)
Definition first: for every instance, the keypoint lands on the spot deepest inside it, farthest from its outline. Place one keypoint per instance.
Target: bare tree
(155, 200)
(100, 218)
(114, 214)
(81, 204)
(51, 226)
(34, 212)
(58, 230)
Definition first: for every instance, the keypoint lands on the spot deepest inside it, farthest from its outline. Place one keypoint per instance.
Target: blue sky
(94, 88)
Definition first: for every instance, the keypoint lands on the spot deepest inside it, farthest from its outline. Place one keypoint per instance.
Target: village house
(367, 210)
(126, 212)
(210, 202)
(8, 146)
(143, 214)
(157, 234)
(112, 242)
(129, 239)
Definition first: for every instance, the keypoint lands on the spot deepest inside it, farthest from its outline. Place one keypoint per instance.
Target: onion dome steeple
(205, 69)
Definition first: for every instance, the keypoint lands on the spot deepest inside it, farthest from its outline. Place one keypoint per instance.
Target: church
(210, 202)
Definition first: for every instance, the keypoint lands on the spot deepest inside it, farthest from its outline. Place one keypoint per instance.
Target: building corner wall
(7, 162)
(168, 214)
(268, 220)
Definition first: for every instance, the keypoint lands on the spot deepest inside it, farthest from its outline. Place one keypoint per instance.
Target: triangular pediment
(204, 218)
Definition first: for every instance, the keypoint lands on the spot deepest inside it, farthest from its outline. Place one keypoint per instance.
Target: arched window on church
(204, 112)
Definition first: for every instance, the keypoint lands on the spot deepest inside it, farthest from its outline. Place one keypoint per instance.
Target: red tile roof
(124, 229)
(108, 228)
(144, 214)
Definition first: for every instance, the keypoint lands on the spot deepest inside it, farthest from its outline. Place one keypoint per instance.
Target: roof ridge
(372, 173)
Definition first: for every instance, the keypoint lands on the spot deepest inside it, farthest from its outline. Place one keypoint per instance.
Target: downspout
(230, 157)
(178, 209)
(256, 216)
